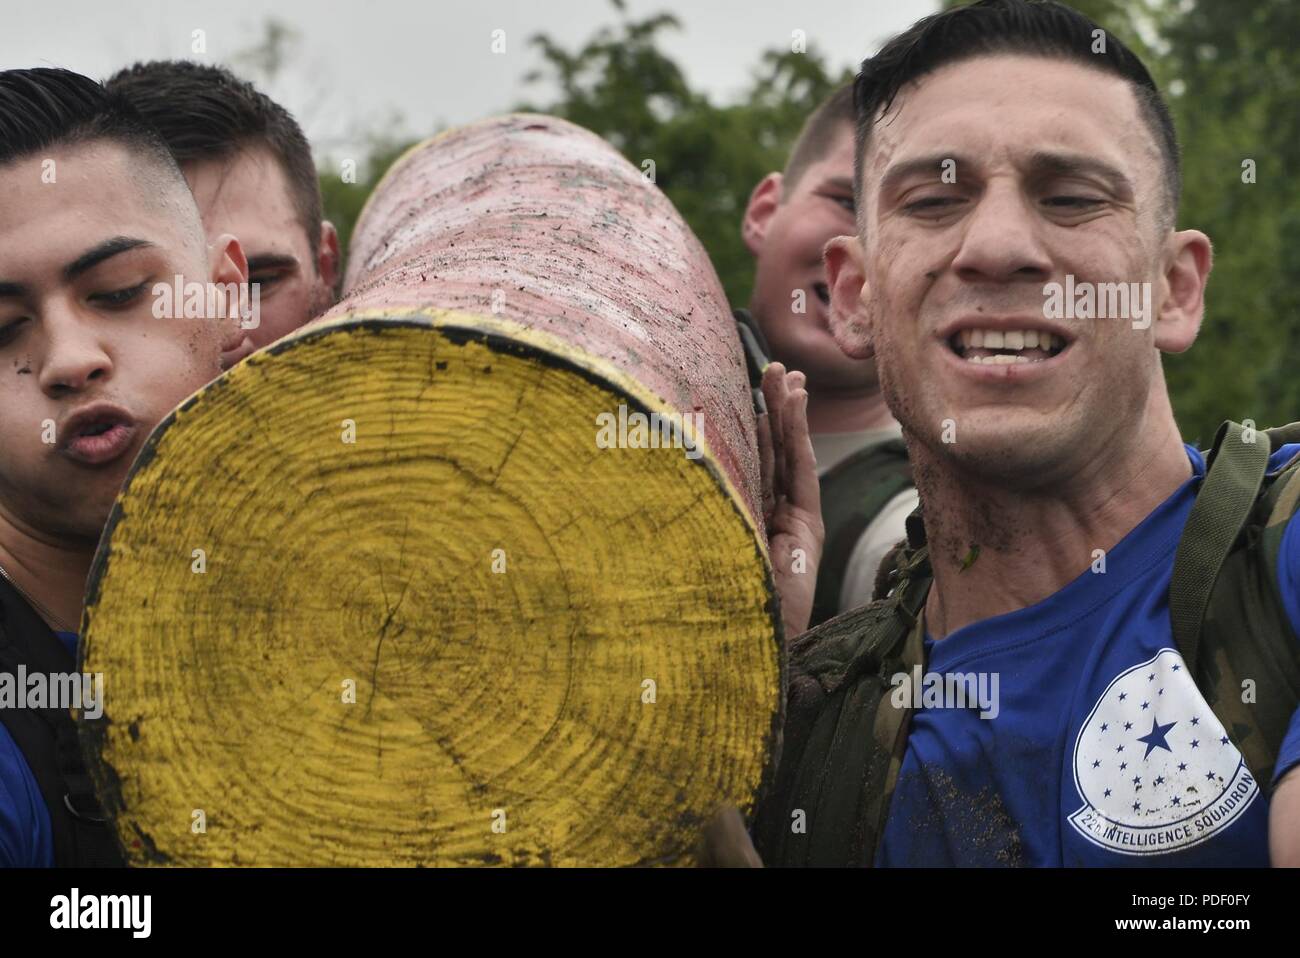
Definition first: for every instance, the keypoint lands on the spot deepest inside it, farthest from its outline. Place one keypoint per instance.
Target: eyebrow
(922, 164)
(271, 261)
(1073, 164)
(87, 260)
(97, 254)
(840, 183)
(1041, 163)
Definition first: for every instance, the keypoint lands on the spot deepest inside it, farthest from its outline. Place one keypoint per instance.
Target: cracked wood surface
(482, 698)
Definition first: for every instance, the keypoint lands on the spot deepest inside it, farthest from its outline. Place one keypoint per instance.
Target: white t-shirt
(884, 531)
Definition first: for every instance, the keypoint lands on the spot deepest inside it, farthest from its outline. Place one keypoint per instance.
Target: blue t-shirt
(1102, 750)
(26, 838)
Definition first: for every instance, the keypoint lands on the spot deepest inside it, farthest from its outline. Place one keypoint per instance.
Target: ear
(763, 203)
(846, 277)
(228, 265)
(1188, 257)
(329, 260)
(227, 261)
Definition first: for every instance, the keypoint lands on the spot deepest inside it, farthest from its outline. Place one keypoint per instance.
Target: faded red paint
(580, 245)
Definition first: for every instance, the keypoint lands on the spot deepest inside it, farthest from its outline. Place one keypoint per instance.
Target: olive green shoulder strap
(1226, 608)
(1234, 471)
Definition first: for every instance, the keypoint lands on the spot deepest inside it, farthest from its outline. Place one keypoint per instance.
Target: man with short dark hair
(252, 174)
(862, 466)
(96, 217)
(1092, 643)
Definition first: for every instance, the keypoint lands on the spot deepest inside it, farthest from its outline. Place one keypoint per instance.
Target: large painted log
(385, 594)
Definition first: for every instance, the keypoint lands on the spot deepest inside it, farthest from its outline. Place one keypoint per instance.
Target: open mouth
(1006, 347)
(98, 436)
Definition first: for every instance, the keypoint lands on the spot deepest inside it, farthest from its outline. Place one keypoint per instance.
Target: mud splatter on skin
(951, 534)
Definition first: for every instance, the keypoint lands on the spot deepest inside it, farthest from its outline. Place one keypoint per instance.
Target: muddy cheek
(203, 352)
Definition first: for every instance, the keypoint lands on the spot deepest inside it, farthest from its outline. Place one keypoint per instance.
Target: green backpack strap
(754, 347)
(844, 738)
(1226, 499)
(853, 493)
(1228, 617)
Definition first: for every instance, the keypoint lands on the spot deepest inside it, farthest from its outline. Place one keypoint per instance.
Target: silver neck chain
(54, 621)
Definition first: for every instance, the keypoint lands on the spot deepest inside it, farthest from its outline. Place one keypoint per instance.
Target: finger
(766, 464)
(726, 844)
(777, 396)
(802, 486)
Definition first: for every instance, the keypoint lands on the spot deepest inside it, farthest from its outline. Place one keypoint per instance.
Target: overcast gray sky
(357, 64)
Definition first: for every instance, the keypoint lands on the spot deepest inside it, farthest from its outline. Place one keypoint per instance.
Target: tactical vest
(844, 739)
(854, 491)
(47, 739)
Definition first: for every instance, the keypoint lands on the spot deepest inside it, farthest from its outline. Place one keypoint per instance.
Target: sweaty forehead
(833, 166)
(68, 196)
(837, 161)
(1004, 108)
(246, 194)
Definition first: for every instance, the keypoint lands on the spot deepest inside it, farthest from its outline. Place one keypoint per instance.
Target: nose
(1002, 240)
(75, 356)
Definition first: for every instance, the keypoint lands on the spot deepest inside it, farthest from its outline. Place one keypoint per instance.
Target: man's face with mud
(987, 180)
(86, 368)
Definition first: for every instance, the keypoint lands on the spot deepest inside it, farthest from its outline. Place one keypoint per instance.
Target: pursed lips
(97, 434)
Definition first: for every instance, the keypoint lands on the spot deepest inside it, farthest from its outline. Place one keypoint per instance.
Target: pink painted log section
(572, 240)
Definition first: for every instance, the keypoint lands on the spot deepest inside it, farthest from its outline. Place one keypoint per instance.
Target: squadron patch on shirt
(1156, 770)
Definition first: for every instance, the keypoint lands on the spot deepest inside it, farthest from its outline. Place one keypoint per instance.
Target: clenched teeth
(1004, 347)
(1016, 339)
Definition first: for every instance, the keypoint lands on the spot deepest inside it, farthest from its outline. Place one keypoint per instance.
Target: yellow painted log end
(376, 597)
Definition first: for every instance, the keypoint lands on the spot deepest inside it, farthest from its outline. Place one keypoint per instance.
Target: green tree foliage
(1239, 74)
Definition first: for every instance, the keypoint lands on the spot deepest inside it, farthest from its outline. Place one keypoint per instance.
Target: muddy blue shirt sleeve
(25, 837)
